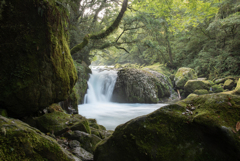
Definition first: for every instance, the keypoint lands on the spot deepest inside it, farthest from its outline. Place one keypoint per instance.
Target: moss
(201, 91)
(22, 142)
(183, 75)
(217, 88)
(160, 68)
(3, 112)
(35, 56)
(59, 122)
(81, 86)
(229, 84)
(238, 87)
(55, 108)
(167, 134)
(192, 95)
(193, 85)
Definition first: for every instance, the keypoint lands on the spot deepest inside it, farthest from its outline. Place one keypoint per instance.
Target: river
(98, 105)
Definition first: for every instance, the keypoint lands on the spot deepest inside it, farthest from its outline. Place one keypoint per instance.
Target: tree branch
(104, 34)
(122, 48)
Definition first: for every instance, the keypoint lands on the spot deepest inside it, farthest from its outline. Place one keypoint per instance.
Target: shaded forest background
(203, 35)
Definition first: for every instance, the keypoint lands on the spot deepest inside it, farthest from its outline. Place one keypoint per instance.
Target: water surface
(111, 115)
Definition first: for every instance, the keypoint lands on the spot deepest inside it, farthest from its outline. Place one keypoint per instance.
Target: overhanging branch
(103, 34)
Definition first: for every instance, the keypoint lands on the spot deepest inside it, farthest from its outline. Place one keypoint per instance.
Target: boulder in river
(203, 128)
(141, 86)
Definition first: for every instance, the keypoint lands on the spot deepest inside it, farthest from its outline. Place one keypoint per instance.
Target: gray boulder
(141, 86)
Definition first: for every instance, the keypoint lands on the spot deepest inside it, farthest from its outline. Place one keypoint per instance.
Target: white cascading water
(100, 86)
(97, 103)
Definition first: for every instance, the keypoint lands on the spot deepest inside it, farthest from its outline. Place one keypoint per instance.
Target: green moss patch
(59, 122)
(21, 142)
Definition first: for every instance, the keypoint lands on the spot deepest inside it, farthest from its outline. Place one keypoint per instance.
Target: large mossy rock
(237, 89)
(141, 86)
(19, 141)
(36, 66)
(183, 75)
(193, 85)
(169, 134)
(217, 88)
(229, 84)
(59, 122)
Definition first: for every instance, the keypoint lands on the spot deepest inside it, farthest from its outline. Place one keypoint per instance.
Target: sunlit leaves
(178, 13)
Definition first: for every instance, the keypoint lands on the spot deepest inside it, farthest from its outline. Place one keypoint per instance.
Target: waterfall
(100, 85)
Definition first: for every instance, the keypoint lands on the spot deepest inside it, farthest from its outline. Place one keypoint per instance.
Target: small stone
(193, 108)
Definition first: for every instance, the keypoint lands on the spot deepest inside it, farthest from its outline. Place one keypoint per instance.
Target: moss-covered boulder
(141, 86)
(220, 80)
(229, 84)
(201, 91)
(170, 134)
(183, 75)
(192, 95)
(193, 85)
(19, 141)
(217, 88)
(59, 122)
(36, 66)
(237, 89)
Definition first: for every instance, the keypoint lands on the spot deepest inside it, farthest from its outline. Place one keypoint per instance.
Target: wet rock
(87, 141)
(82, 154)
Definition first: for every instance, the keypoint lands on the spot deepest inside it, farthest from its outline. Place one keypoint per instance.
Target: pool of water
(111, 115)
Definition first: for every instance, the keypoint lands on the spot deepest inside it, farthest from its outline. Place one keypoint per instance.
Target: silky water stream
(98, 105)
